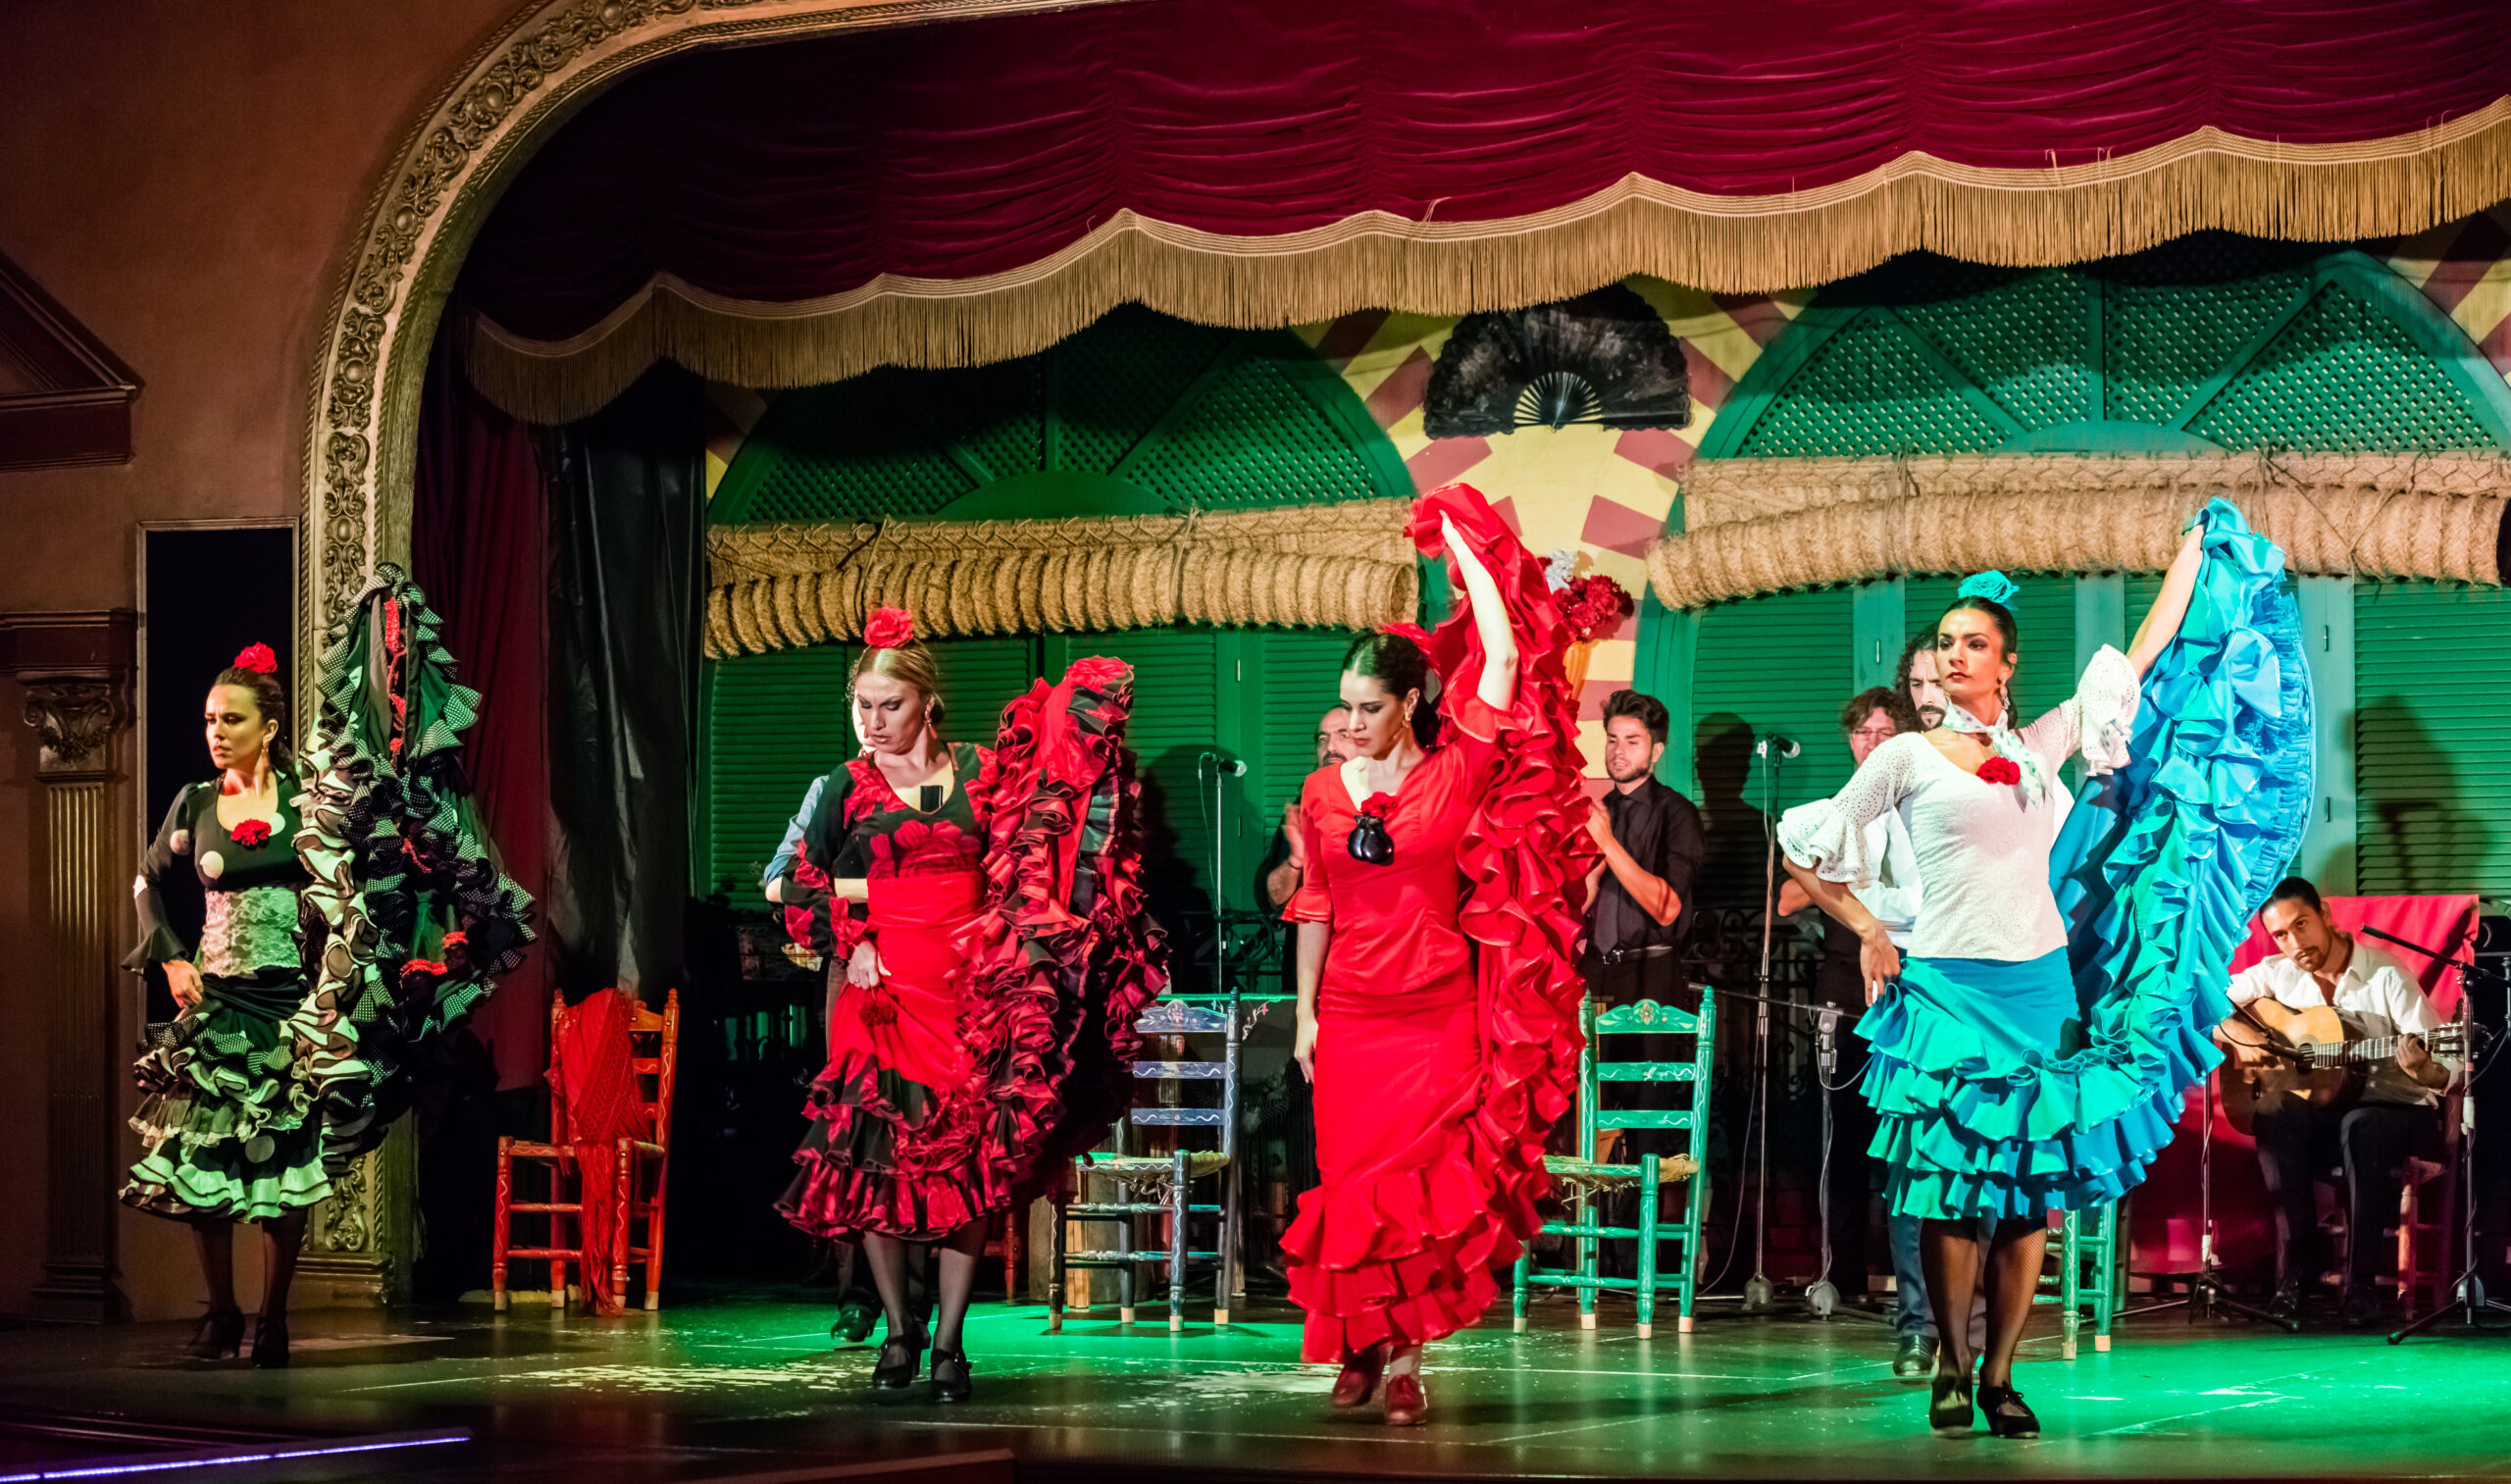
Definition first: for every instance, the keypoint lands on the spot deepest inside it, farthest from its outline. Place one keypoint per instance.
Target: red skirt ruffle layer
(1055, 969)
(1407, 1254)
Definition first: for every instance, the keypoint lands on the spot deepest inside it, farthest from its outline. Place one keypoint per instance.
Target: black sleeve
(1681, 851)
(161, 938)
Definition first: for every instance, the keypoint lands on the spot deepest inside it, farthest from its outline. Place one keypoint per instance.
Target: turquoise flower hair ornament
(1994, 585)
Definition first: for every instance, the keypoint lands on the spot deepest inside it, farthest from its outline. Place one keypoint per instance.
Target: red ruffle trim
(1409, 1257)
(1062, 961)
(1066, 959)
(931, 1180)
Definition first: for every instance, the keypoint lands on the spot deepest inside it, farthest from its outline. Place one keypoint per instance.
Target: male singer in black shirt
(1639, 894)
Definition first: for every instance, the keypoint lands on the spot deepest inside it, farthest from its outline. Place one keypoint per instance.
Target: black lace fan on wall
(1604, 357)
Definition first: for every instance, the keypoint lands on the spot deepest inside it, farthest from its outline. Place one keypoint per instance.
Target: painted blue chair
(1162, 1184)
(1582, 1180)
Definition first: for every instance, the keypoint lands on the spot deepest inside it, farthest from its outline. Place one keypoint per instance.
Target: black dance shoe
(2006, 1416)
(269, 1342)
(221, 1337)
(949, 1375)
(1915, 1359)
(902, 1357)
(1948, 1406)
(2287, 1303)
(855, 1322)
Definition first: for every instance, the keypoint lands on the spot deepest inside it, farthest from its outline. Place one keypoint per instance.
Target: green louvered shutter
(979, 678)
(1293, 677)
(774, 722)
(1781, 664)
(2431, 737)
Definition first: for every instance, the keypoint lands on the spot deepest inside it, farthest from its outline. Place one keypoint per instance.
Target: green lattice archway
(1140, 413)
(2214, 343)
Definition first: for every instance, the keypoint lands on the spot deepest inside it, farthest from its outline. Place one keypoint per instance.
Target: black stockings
(960, 1252)
(215, 1240)
(1951, 1254)
(281, 1239)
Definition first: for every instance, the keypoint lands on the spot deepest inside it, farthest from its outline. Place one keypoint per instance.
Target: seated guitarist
(2397, 1117)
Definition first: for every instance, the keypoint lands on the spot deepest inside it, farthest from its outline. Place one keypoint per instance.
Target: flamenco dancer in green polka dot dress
(229, 1116)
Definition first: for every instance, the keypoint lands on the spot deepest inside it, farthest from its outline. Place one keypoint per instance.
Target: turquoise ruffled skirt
(2006, 1089)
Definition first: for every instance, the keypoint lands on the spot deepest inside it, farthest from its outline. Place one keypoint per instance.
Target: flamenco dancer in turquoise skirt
(2031, 1052)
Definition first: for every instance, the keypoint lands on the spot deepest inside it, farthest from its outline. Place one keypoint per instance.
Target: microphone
(1223, 763)
(1772, 745)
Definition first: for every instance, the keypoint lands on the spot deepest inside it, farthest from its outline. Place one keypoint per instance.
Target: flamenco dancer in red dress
(986, 908)
(1437, 990)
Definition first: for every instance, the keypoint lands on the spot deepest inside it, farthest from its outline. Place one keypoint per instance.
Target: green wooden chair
(1584, 1179)
(2081, 1276)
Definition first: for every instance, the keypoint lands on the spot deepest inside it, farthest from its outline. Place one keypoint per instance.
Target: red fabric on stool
(591, 1073)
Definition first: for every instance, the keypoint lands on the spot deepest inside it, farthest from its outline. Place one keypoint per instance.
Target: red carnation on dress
(1378, 806)
(2000, 770)
(251, 834)
(257, 658)
(889, 628)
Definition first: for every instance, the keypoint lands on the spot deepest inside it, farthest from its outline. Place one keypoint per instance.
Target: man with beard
(1285, 864)
(2399, 1114)
(1916, 682)
(1639, 893)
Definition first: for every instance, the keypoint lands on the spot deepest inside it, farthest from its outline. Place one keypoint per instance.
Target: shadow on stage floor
(745, 1385)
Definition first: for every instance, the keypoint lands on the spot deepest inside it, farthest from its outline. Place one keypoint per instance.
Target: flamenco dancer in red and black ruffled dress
(987, 909)
(1438, 994)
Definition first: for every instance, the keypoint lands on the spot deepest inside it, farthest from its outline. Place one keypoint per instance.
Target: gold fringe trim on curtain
(1767, 525)
(1375, 260)
(1340, 566)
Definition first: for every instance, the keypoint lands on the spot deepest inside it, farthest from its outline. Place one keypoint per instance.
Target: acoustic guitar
(2306, 1053)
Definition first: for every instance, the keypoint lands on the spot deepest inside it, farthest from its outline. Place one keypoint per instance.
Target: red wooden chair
(658, 1038)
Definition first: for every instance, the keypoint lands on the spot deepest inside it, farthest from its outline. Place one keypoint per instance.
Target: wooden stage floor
(737, 1384)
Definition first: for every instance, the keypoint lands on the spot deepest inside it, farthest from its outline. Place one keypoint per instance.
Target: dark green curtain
(628, 512)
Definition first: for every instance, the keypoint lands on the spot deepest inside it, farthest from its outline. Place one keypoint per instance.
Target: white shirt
(2375, 996)
(1983, 849)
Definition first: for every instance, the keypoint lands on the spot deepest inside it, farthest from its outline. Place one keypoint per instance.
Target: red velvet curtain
(948, 151)
(479, 551)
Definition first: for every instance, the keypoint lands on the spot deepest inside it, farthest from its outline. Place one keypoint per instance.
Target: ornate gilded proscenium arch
(554, 57)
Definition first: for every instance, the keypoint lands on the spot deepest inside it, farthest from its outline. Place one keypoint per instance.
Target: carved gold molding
(552, 58)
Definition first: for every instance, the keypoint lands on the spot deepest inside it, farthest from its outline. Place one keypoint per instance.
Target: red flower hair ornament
(2000, 770)
(257, 658)
(889, 628)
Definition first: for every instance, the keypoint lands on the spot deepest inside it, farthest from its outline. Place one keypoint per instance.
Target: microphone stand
(1758, 1288)
(2467, 1289)
(2206, 1289)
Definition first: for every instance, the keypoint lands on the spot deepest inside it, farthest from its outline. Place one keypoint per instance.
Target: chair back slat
(1646, 1017)
(1646, 1118)
(1183, 1071)
(1178, 1117)
(1169, 1017)
(1647, 1071)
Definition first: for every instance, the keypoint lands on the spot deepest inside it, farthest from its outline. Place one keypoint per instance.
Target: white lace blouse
(1982, 848)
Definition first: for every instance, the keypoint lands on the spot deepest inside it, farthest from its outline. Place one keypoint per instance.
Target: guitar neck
(2441, 1043)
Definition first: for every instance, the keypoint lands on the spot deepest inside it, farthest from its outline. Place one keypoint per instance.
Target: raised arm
(1498, 686)
(2171, 604)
